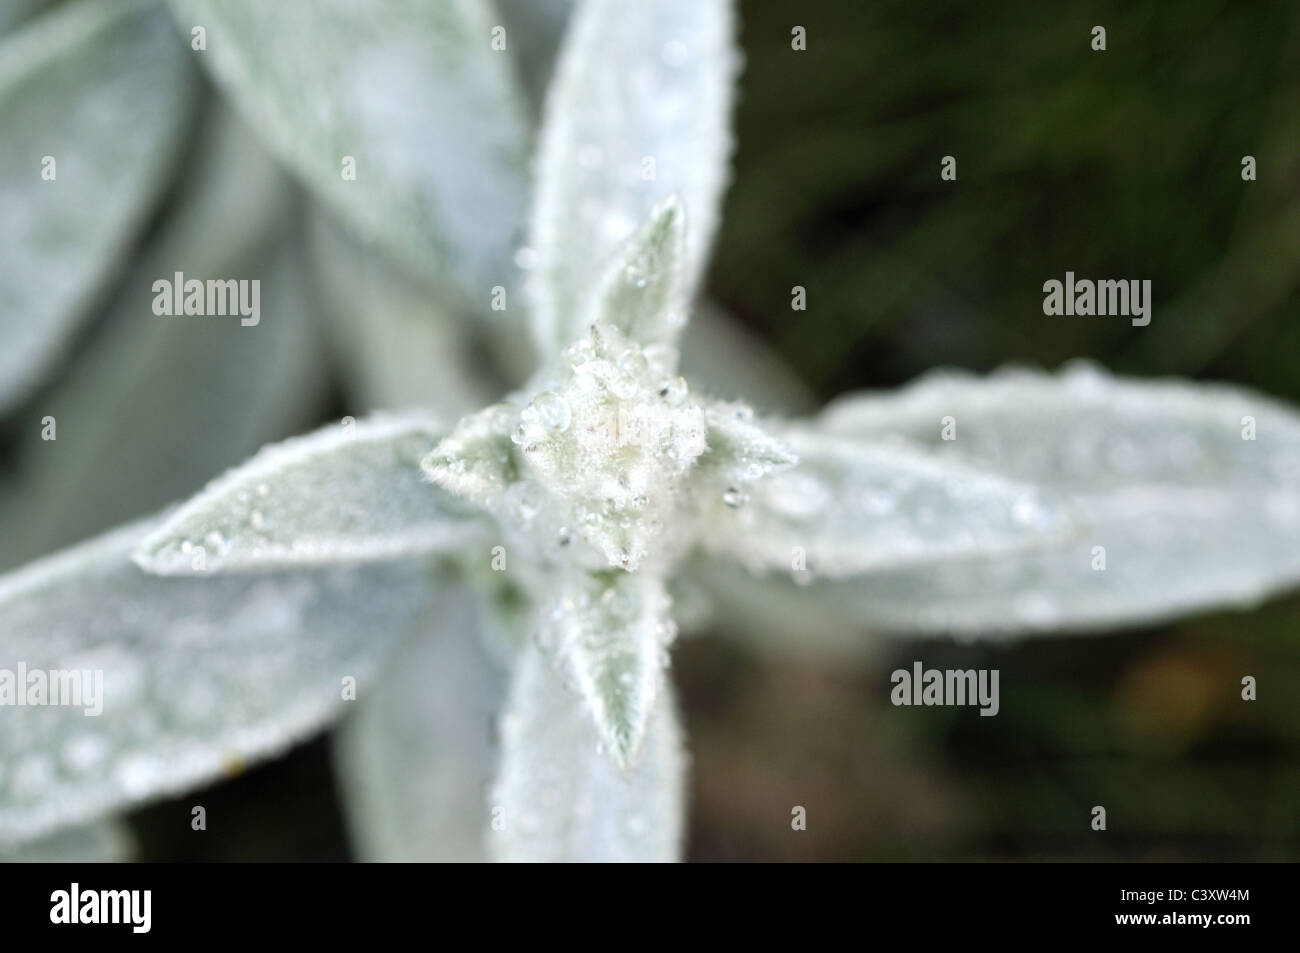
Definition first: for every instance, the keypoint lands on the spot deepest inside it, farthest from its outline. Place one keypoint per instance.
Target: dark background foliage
(1117, 164)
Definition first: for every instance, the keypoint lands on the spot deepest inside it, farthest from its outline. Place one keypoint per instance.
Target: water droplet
(733, 497)
(624, 387)
(138, 774)
(674, 390)
(661, 358)
(257, 520)
(552, 411)
(564, 537)
(633, 363)
(1028, 511)
(83, 752)
(636, 276)
(526, 258)
(215, 542)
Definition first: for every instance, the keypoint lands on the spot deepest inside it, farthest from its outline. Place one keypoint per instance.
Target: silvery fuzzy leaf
(638, 110)
(70, 83)
(417, 755)
(413, 92)
(609, 634)
(729, 361)
(851, 506)
(236, 387)
(398, 345)
(534, 29)
(557, 798)
(642, 292)
(99, 842)
(741, 449)
(1191, 516)
(199, 676)
(349, 492)
(474, 460)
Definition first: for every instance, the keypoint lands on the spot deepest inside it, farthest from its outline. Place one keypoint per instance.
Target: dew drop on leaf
(634, 364)
(674, 391)
(1028, 511)
(553, 411)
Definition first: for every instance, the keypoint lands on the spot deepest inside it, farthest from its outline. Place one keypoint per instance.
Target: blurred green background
(1118, 163)
(1124, 163)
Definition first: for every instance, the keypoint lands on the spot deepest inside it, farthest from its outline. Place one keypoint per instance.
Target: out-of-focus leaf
(100, 842)
(198, 676)
(852, 505)
(790, 614)
(558, 798)
(15, 12)
(638, 111)
(725, 360)
(1183, 513)
(120, 452)
(397, 343)
(347, 493)
(413, 93)
(92, 101)
(416, 758)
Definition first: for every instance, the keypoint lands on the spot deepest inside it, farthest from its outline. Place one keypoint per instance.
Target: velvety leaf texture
(638, 111)
(349, 492)
(74, 188)
(558, 798)
(413, 93)
(196, 677)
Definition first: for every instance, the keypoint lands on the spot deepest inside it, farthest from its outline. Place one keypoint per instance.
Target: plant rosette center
(591, 462)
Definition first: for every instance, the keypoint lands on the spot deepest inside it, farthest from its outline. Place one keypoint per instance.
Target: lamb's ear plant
(545, 531)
